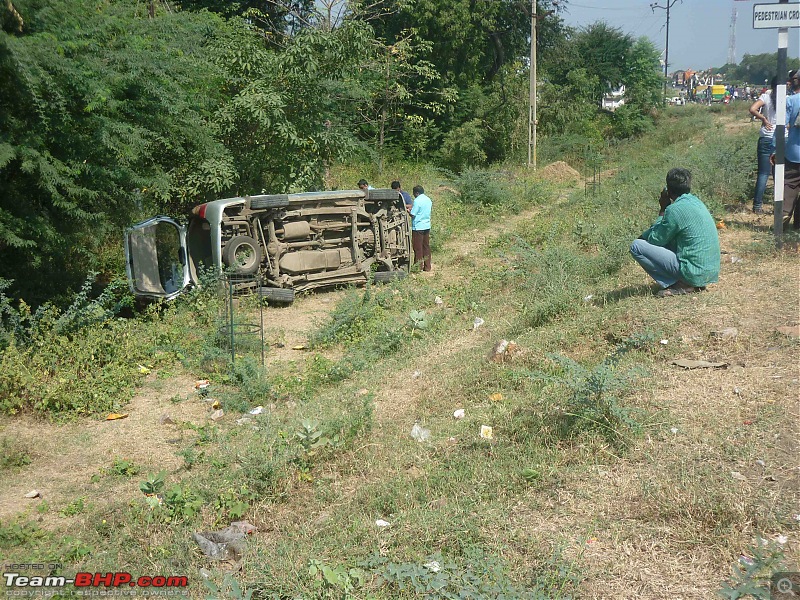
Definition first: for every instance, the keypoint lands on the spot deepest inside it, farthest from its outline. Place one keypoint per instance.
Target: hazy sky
(699, 30)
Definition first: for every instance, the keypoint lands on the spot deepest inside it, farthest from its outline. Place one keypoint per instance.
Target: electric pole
(654, 6)
(532, 90)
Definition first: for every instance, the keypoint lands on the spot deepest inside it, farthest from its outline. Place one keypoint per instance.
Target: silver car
(275, 244)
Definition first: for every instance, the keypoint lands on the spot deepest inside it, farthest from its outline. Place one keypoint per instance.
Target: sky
(699, 30)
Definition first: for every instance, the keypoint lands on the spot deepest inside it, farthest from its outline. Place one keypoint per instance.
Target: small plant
(123, 467)
(154, 484)
(593, 402)
(182, 502)
(419, 319)
(75, 507)
(337, 581)
(752, 572)
(229, 589)
(13, 455)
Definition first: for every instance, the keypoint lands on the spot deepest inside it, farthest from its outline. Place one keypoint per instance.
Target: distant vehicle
(277, 245)
(613, 99)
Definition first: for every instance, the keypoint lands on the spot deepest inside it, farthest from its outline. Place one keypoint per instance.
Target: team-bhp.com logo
(119, 579)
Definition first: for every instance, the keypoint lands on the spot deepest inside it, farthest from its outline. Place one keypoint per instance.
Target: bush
(478, 188)
(463, 146)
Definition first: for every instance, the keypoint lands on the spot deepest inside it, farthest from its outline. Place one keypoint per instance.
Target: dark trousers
(421, 241)
(791, 192)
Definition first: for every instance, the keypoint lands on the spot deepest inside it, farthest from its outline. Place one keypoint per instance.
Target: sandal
(678, 290)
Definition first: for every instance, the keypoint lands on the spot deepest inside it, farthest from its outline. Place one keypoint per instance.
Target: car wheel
(242, 254)
(383, 195)
(387, 276)
(277, 295)
(273, 201)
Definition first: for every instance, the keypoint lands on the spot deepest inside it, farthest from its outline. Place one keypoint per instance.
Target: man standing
(421, 228)
(406, 196)
(681, 249)
(791, 172)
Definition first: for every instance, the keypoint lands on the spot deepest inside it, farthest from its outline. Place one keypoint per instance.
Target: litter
(674, 429)
(438, 301)
(225, 544)
(588, 298)
(503, 350)
(165, 419)
(729, 333)
(143, 370)
(116, 416)
(416, 375)
(664, 342)
(459, 414)
(433, 566)
(420, 434)
(486, 432)
(477, 323)
(201, 384)
(496, 397)
(217, 415)
(33, 494)
(257, 410)
(738, 476)
(735, 259)
(216, 405)
(382, 523)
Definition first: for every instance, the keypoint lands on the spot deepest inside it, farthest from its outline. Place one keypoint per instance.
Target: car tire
(383, 195)
(277, 295)
(234, 246)
(387, 276)
(273, 201)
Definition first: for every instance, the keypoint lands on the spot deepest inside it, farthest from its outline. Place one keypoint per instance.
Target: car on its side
(277, 245)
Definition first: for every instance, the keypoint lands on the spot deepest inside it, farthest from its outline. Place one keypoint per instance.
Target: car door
(155, 258)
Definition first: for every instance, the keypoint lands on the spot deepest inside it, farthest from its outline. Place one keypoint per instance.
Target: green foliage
(463, 146)
(123, 467)
(594, 402)
(75, 507)
(752, 572)
(154, 484)
(229, 589)
(756, 68)
(482, 189)
(13, 454)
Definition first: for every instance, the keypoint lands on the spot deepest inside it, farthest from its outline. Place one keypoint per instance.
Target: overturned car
(276, 245)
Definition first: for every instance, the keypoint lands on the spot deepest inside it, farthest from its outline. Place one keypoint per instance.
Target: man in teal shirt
(681, 249)
(421, 228)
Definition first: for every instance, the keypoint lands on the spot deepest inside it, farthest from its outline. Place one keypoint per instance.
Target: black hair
(362, 182)
(679, 182)
(395, 185)
(418, 189)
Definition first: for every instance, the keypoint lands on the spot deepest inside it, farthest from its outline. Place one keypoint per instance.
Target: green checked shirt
(688, 229)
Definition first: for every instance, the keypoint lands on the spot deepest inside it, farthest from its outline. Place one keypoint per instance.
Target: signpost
(779, 16)
(776, 16)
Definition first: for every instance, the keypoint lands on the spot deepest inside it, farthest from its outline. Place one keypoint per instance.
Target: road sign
(776, 16)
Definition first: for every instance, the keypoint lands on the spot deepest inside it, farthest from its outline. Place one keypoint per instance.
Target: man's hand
(664, 200)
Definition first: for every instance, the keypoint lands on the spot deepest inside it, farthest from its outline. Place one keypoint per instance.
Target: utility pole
(532, 93)
(532, 90)
(653, 7)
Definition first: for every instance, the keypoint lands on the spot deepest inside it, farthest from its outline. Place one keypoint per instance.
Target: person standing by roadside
(791, 177)
(407, 199)
(421, 227)
(764, 109)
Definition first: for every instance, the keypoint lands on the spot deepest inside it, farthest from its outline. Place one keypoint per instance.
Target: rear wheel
(242, 254)
(277, 295)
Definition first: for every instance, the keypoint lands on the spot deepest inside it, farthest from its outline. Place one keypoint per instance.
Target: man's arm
(663, 231)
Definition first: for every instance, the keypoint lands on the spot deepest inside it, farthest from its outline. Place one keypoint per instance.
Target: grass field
(610, 472)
